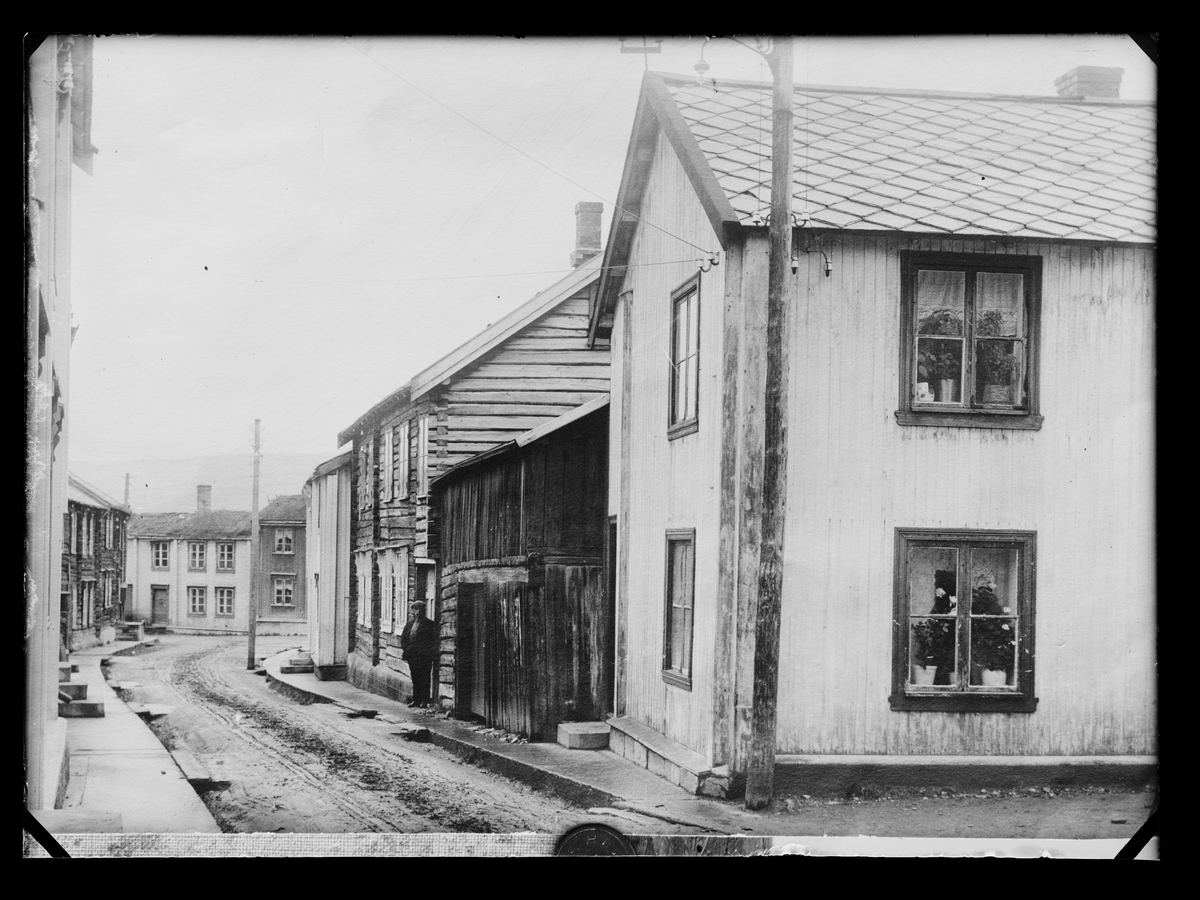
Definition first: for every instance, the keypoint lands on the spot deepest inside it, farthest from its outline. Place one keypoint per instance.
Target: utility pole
(251, 662)
(126, 488)
(760, 770)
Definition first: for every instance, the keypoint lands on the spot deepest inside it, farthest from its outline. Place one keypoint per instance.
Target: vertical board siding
(670, 484)
(1083, 483)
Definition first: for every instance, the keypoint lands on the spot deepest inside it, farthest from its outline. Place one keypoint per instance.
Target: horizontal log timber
(508, 411)
(595, 386)
(538, 370)
(543, 356)
(550, 393)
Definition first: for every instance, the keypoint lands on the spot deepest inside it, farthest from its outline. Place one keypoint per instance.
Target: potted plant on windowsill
(941, 373)
(995, 369)
(992, 640)
(931, 647)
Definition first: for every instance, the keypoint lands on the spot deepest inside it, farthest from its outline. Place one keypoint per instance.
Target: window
(196, 555)
(386, 488)
(363, 579)
(387, 589)
(197, 601)
(963, 621)
(402, 450)
(225, 557)
(677, 632)
(423, 456)
(225, 601)
(969, 328)
(283, 590)
(108, 531)
(74, 531)
(685, 359)
(160, 554)
(283, 540)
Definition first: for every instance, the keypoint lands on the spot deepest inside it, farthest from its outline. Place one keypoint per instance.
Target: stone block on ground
(583, 735)
(74, 691)
(81, 709)
(412, 732)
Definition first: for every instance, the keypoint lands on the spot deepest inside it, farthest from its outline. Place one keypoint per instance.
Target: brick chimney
(587, 232)
(1090, 81)
(203, 498)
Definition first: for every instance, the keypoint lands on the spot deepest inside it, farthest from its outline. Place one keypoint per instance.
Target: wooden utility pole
(760, 770)
(251, 662)
(126, 488)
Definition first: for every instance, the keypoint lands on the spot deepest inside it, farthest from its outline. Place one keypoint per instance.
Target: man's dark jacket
(419, 641)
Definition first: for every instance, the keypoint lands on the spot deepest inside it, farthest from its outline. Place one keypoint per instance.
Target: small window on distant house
(225, 601)
(387, 463)
(685, 358)
(963, 621)
(283, 540)
(969, 328)
(677, 637)
(225, 557)
(423, 456)
(402, 450)
(160, 554)
(283, 591)
(197, 601)
(196, 555)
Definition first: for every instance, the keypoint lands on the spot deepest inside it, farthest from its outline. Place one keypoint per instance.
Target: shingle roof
(289, 508)
(218, 523)
(925, 162)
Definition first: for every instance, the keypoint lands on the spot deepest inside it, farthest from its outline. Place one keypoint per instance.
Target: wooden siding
(669, 483)
(1083, 483)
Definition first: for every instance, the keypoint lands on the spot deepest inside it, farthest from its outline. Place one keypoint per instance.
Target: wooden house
(58, 116)
(93, 565)
(327, 564)
(282, 581)
(191, 571)
(532, 366)
(969, 335)
(523, 568)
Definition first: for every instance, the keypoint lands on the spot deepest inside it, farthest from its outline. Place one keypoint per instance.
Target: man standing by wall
(419, 643)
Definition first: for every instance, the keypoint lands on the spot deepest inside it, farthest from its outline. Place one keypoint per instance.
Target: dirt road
(284, 767)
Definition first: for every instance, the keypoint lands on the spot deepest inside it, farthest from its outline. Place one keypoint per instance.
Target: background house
(191, 571)
(93, 566)
(970, 398)
(328, 498)
(523, 576)
(282, 575)
(57, 137)
(530, 367)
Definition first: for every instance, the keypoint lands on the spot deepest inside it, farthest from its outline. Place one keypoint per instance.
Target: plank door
(160, 605)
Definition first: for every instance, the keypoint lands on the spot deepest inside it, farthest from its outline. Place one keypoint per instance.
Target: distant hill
(169, 485)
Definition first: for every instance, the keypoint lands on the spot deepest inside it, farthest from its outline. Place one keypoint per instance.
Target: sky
(289, 229)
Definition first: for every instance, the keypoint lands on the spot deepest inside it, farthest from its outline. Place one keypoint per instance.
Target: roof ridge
(672, 78)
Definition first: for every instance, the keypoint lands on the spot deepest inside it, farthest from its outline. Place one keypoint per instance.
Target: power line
(669, 262)
(529, 156)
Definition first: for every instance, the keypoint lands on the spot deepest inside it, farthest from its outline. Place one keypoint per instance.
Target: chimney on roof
(1090, 81)
(203, 498)
(587, 232)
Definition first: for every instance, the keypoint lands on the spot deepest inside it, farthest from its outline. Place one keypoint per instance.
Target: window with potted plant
(957, 649)
(969, 329)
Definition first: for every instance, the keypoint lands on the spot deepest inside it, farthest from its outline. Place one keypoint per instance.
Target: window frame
(423, 456)
(164, 566)
(218, 591)
(972, 413)
(283, 535)
(678, 426)
(671, 673)
(965, 697)
(202, 590)
(276, 580)
(197, 550)
(404, 449)
(387, 460)
(232, 547)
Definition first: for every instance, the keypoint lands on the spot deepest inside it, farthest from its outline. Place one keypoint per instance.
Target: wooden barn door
(160, 605)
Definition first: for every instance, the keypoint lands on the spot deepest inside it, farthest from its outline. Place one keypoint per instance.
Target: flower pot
(924, 392)
(997, 393)
(924, 674)
(947, 390)
(994, 677)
